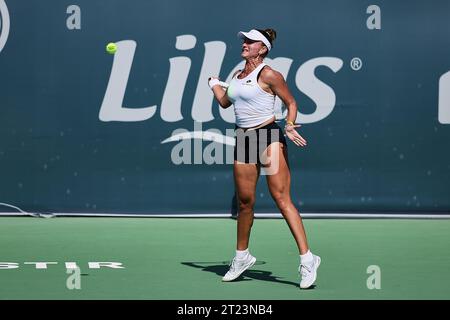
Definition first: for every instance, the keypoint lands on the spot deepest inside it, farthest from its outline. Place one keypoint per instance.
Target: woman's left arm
(275, 81)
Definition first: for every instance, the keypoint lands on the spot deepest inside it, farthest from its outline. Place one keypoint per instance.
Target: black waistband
(272, 125)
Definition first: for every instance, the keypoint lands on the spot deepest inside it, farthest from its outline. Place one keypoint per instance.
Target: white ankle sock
(307, 257)
(241, 254)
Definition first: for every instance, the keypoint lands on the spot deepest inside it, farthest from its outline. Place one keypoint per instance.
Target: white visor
(256, 36)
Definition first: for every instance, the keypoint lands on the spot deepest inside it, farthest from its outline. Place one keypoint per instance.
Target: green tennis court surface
(186, 258)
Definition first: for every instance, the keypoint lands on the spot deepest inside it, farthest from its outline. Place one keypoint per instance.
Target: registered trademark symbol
(356, 64)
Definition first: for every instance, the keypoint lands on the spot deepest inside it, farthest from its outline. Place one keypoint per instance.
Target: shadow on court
(221, 267)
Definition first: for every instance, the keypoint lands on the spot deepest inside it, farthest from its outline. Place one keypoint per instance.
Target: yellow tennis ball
(111, 48)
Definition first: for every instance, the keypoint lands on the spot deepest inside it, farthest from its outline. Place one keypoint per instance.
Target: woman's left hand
(294, 136)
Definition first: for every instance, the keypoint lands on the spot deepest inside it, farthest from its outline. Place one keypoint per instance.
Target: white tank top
(252, 105)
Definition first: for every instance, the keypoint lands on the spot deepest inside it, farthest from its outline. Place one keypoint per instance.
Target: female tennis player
(260, 142)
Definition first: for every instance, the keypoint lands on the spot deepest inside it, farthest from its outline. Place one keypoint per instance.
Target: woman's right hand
(212, 81)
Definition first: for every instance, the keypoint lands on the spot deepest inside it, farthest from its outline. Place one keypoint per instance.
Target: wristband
(213, 82)
(290, 123)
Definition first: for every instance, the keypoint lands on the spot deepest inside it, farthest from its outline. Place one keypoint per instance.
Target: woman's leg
(245, 177)
(279, 183)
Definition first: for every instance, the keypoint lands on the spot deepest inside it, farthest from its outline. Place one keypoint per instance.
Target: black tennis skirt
(251, 143)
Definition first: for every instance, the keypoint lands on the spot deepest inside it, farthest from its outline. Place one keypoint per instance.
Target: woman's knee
(246, 203)
(282, 200)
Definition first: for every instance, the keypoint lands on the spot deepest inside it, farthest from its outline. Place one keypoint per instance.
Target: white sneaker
(237, 267)
(308, 272)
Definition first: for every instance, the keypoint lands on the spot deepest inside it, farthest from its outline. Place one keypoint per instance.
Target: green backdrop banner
(85, 131)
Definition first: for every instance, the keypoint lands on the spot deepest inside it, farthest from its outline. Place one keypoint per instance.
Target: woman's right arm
(220, 93)
(221, 96)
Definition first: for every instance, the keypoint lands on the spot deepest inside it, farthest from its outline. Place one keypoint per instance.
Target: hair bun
(272, 33)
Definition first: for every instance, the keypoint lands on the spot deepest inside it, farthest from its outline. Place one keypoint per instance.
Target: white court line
(257, 215)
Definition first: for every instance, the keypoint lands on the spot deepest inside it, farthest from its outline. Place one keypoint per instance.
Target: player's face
(251, 48)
